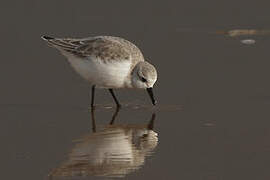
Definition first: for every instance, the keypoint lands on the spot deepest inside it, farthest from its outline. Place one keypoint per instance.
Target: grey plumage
(106, 48)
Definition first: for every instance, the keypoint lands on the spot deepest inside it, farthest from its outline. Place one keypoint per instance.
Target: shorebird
(107, 62)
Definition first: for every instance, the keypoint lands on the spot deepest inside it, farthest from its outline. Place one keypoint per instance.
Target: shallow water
(114, 150)
(213, 92)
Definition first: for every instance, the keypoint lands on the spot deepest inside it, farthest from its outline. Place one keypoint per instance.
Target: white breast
(112, 74)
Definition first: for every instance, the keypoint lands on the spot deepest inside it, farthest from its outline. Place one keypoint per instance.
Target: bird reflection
(113, 151)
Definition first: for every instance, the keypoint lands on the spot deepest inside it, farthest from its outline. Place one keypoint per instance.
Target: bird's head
(144, 76)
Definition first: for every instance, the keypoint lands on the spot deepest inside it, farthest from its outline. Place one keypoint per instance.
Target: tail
(58, 43)
(47, 38)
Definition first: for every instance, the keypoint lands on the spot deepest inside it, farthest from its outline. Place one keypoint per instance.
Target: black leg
(114, 98)
(93, 120)
(93, 95)
(114, 115)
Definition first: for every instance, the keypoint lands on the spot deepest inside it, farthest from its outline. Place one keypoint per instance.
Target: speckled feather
(105, 48)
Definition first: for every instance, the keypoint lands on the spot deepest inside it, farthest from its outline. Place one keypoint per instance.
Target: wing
(106, 49)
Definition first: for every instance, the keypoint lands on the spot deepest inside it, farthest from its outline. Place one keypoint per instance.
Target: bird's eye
(143, 79)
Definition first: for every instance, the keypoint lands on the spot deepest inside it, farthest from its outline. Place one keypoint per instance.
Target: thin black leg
(93, 95)
(114, 98)
(93, 120)
(114, 115)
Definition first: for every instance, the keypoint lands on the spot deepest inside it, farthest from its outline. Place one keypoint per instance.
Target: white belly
(104, 75)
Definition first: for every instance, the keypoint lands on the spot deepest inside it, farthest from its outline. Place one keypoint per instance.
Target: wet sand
(213, 92)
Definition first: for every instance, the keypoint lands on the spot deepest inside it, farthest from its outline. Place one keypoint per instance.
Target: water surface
(212, 118)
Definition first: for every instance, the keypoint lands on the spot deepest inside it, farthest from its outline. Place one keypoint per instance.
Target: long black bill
(150, 92)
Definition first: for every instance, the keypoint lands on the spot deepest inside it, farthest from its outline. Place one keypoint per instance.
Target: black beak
(150, 125)
(150, 92)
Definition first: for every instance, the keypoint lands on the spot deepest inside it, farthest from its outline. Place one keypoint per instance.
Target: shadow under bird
(107, 62)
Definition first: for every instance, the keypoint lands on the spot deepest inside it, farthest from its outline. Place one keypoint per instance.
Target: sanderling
(107, 62)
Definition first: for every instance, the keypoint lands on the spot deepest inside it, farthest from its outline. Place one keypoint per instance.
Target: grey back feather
(106, 48)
